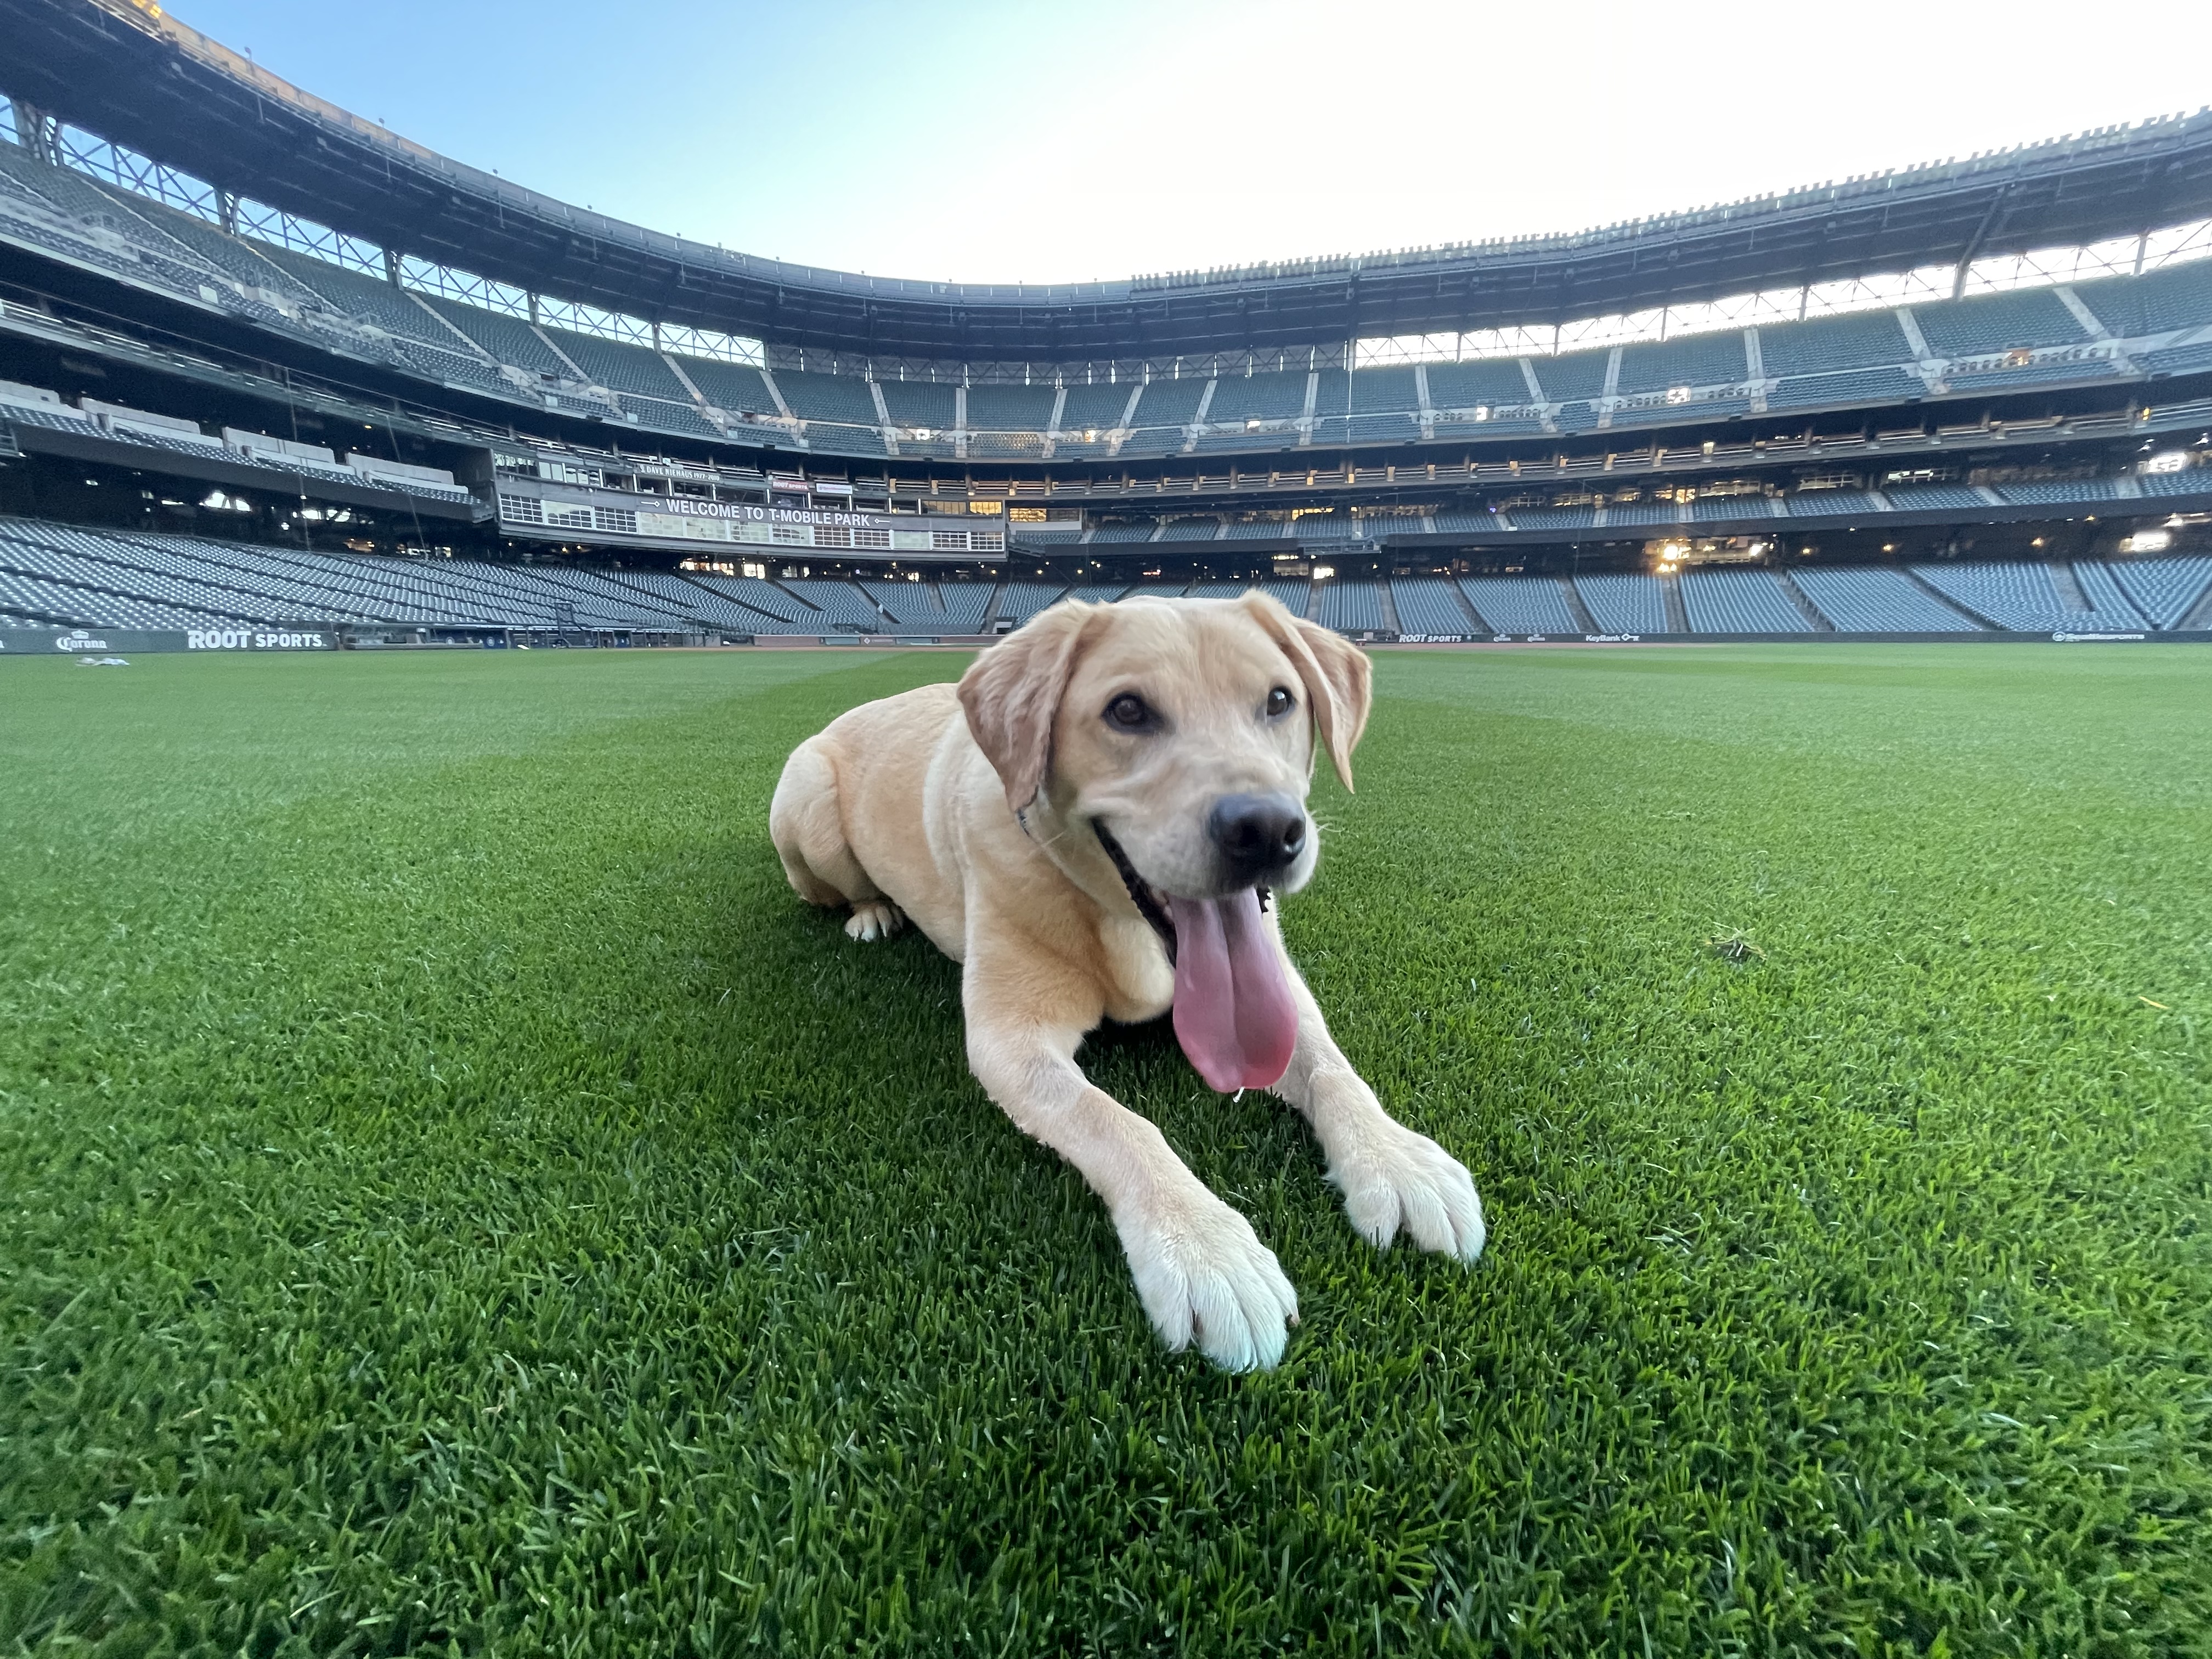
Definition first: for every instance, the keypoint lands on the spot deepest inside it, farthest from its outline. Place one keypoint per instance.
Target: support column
(33, 130)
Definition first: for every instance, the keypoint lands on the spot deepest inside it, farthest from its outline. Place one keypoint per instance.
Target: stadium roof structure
(121, 69)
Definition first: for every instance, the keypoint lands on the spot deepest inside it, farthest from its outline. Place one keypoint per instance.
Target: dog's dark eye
(1131, 712)
(1281, 702)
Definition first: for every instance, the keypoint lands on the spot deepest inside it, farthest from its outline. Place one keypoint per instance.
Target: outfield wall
(83, 642)
(1995, 636)
(86, 641)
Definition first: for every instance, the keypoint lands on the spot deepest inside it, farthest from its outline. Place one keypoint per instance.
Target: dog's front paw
(1205, 1277)
(874, 919)
(1400, 1179)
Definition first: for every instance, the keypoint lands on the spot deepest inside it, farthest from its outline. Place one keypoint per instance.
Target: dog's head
(1186, 729)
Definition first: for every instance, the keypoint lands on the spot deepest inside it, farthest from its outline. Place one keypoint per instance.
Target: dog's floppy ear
(1338, 679)
(1013, 691)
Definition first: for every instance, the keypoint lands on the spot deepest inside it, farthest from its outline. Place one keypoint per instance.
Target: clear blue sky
(993, 140)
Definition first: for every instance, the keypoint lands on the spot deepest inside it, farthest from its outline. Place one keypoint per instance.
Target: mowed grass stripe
(457, 1197)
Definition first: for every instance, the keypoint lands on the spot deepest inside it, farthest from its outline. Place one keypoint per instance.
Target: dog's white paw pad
(1407, 1182)
(874, 919)
(1206, 1279)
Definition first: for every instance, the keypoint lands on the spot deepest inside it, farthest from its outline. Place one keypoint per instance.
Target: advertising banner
(121, 641)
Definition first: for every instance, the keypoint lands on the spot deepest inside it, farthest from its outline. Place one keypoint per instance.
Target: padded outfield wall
(96, 641)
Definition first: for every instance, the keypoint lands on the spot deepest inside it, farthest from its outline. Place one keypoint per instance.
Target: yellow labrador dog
(1092, 823)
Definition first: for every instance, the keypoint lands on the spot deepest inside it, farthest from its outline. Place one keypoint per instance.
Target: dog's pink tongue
(1233, 1014)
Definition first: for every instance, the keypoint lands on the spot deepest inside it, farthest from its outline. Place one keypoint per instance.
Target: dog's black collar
(1140, 893)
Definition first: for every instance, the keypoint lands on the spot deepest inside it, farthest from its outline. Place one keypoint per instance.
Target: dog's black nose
(1259, 836)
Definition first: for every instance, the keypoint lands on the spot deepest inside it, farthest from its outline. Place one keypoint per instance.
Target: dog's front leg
(1391, 1176)
(1201, 1272)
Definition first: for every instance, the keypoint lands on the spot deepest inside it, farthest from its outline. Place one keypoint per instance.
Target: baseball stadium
(458, 1199)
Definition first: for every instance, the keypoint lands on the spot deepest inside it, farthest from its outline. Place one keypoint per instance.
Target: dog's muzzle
(1140, 890)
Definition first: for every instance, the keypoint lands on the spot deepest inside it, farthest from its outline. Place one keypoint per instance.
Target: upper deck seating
(1715, 359)
(1094, 410)
(923, 414)
(736, 387)
(1009, 408)
(840, 399)
(2026, 317)
(508, 339)
(1165, 410)
(1830, 345)
(2157, 302)
(367, 299)
(620, 365)
(1471, 398)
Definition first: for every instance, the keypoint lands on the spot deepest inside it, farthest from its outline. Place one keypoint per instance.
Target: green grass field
(456, 1199)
